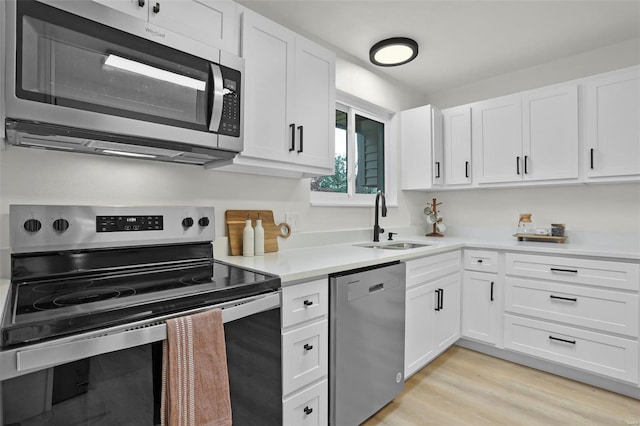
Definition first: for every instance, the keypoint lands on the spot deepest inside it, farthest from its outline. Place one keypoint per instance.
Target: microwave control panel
(230, 120)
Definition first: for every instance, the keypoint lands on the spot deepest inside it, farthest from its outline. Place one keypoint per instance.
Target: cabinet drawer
(305, 355)
(605, 310)
(307, 408)
(481, 260)
(305, 302)
(432, 267)
(601, 273)
(599, 353)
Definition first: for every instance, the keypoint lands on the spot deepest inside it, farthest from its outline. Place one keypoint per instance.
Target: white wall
(606, 210)
(583, 64)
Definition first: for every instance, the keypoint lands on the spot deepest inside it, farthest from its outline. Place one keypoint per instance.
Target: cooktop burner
(66, 292)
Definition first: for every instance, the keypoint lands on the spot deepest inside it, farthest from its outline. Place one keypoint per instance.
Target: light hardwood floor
(464, 387)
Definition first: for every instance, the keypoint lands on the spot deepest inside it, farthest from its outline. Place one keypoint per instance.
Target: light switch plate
(293, 220)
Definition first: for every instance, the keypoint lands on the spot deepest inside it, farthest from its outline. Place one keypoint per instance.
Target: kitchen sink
(394, 245)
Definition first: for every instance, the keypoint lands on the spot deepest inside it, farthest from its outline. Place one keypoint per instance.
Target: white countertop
(301, 263)
(317, 258)
(305, 263)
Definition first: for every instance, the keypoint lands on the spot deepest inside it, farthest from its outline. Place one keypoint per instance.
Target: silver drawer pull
(573, 342)
(572, 271)
(571, 299)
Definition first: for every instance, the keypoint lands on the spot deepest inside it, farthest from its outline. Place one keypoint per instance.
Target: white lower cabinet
(574, 311)
(596, 352)
(432, 308)
(480, 307)
(604, 310)
(481, 297)
(308, 407)
(305, 353)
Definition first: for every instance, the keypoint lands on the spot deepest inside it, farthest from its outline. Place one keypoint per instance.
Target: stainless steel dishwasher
(366, 361)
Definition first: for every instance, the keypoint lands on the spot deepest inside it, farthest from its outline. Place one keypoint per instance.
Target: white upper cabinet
(136, 8)
(422, 155)
(530, 136)
(457, 145)
(550, 133)
(268, 49)
(213, 22)
(613, 124)
(289, 102)
(315, 112)
(497, 132)
(437, 144)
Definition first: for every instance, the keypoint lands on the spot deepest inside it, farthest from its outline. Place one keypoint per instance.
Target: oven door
(92, 383)
(64, 69)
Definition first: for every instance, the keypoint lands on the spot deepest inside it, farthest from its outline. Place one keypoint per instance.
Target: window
(360, 160)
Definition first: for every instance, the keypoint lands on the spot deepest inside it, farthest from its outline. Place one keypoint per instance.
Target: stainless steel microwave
(84, 77)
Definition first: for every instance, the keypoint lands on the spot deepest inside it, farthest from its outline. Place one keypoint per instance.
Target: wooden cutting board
(235, 220)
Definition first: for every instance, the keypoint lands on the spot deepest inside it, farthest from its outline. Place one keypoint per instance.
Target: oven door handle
(49, 355)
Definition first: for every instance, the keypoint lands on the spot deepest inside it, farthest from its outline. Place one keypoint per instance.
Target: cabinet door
(613, 129)
(447, 325)
(438, 146)
(310, 407)
(457, 145)
(479, 306)
(550, 133)
(419, 328)
(497, 131)
(416, 130)
(315, 105)
(134, 8)
(213, 22)
(268, 49)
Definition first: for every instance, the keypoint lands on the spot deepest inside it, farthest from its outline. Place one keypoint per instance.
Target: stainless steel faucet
(376, 227)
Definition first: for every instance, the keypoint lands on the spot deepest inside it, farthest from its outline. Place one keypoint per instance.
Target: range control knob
(204, 221)
(32, 225)
(187, 222)
(60, 225)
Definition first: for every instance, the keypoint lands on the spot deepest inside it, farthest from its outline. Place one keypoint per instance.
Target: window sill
(356, 201)
(345, 204)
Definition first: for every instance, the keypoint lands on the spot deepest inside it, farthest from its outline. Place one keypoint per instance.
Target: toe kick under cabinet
(575, 311)
(305, 353)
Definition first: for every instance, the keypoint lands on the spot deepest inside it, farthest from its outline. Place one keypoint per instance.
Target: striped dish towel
(195, 381)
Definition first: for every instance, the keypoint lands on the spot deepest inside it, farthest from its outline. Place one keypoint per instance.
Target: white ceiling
(460, 41)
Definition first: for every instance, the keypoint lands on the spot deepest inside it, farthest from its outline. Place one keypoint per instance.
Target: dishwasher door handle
(376, 288)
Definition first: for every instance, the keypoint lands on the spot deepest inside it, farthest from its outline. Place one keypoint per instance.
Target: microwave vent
(62, 138)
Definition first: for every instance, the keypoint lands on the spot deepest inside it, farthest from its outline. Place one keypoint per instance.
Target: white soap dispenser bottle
(259, 238)
(247, 239)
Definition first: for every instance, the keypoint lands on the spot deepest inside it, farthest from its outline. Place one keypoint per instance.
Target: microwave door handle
(217, 92)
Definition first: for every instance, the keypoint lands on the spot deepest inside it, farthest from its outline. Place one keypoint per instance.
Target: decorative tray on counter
(543, 238)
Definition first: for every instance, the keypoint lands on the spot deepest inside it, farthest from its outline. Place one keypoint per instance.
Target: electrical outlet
(293, 220)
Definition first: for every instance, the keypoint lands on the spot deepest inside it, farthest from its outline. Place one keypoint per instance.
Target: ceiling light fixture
(393, 51)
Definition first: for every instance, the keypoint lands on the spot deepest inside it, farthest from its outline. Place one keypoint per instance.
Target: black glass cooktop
(42, 307)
